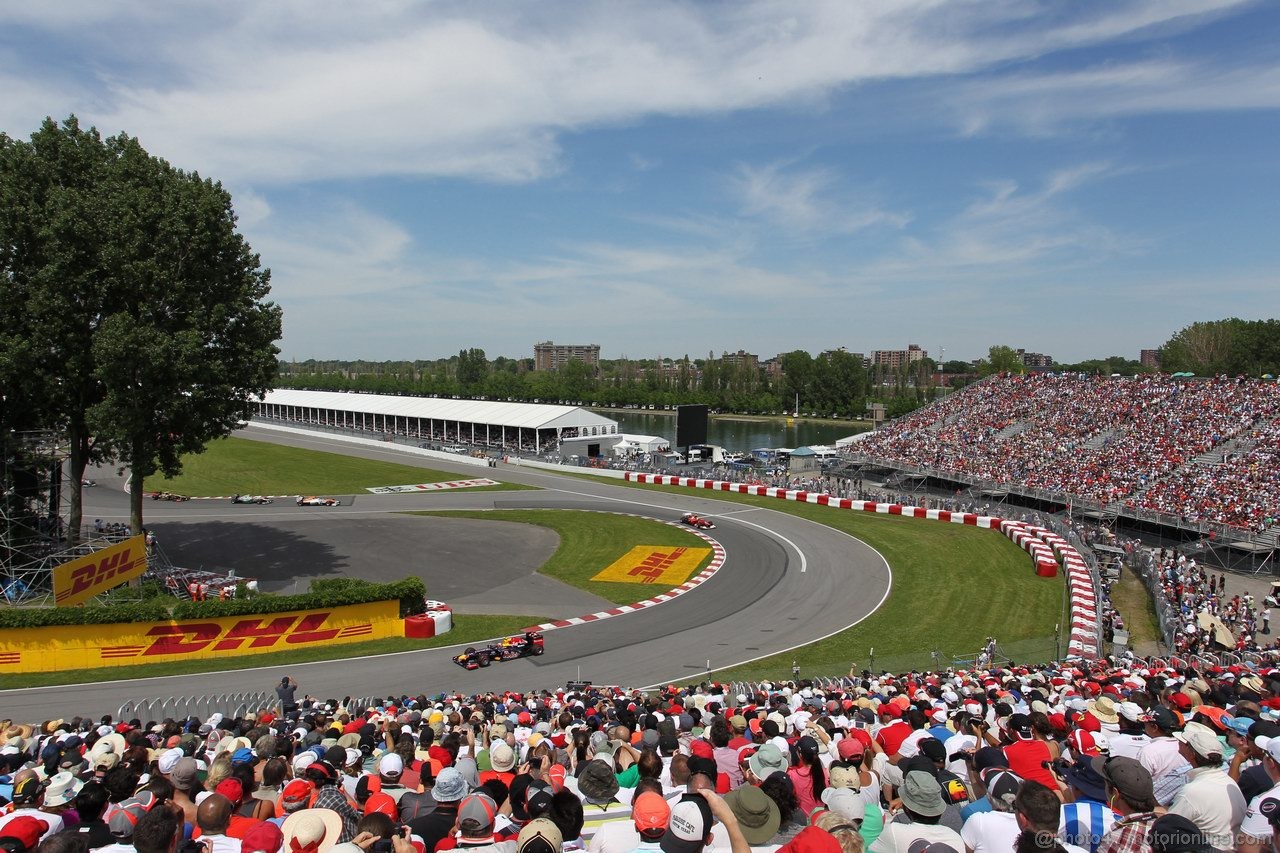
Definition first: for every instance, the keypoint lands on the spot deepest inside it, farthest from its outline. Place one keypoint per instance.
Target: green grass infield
(953, 585)
(590, 541)
(237, 465)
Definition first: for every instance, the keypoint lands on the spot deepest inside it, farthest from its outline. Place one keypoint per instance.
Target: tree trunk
(135, 502)
(76, 464)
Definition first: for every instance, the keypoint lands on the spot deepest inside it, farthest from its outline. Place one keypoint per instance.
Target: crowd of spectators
(1241, 490)
(1114, 756)
(1104, 439)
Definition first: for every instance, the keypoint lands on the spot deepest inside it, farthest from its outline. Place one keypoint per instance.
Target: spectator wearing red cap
(1026, 754)
(893, 729)
(26, 831)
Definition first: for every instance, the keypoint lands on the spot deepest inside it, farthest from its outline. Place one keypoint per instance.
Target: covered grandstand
(518, 427)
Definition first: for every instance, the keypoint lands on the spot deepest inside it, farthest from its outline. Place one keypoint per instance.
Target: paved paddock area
(475, 566)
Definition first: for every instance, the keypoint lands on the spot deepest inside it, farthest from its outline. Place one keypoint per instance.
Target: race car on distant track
(694, 520)
(250, 499)
(312, 500)
(166, 496)
(520, 646)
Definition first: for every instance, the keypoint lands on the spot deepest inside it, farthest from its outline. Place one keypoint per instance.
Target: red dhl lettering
(257, 633)
(99, 573)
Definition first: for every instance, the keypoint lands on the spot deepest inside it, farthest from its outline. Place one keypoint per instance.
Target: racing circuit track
(786, 582)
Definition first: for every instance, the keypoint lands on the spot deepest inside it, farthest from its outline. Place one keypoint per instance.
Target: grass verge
(1131, 600)
(590, 541)
(466, 629)
(952, 587)
(232, 465)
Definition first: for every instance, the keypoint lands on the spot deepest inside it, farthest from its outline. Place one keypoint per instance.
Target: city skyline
(1082, 181)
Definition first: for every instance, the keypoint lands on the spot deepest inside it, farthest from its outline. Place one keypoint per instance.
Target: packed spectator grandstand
(1110, 756)
(1152, 442)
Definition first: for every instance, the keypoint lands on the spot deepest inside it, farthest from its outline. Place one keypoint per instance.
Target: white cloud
(803, 200)
(292, 91)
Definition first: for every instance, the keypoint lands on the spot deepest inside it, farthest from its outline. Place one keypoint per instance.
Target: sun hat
(1104, 709)
(767, 761)
(597, 782)
(311, 830)
(758, 815)
(921, 794)
(450, 786)
(62, 789)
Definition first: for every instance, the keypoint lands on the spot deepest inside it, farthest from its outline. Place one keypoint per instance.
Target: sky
(1076, 178)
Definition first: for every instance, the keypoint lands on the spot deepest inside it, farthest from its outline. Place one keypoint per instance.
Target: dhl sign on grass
(84, 577)
(654, 564)
(89, 646)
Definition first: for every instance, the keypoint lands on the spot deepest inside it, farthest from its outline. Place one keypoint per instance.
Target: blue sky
(1081, 179)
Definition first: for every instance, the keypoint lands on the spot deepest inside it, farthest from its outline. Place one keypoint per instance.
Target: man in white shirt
(1256, 831)
(1162, 756)
(1210, 799)
(922, 801)
(995, 831)
(1131, 738)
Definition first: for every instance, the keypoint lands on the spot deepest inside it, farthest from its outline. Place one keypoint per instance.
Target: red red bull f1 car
(519, 646)
(697, 521)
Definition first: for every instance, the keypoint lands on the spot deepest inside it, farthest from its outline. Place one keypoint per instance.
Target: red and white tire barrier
(717, 561)
(437, 620)
(1045, 547)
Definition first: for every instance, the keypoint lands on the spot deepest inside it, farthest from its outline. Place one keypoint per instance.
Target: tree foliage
(134, 314)
(1232, 346)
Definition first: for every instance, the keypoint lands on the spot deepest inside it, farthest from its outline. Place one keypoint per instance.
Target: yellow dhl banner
(650, 564)
(65, 647)
(84, 577)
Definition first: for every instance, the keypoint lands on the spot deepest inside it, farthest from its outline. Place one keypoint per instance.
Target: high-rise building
(552, 356)
(1035, 359)
(1150, 358)
(741, 357)
(898, 357)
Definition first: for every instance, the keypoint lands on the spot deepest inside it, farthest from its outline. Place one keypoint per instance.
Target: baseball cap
(1082, 743)
(539, 835)
(186, 774)
(1174, 833)
(263, 837)
(650, 812)
(26, 829)
(689, 825)
(476, 815)
(296, 795)
(1002, 787)
(850, 749)
(845, 802)
(1201, 739)
(1162, 718)
(1128, 776)
(390, 765)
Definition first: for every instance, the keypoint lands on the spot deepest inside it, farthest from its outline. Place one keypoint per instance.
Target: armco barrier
(1045, 547)
(66, 647)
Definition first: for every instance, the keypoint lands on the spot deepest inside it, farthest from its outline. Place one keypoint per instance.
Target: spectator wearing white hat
(1256, 830)
(1131, 738)
(1210, 799)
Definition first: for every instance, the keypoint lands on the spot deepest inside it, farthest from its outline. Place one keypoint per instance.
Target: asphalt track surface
(786, 582)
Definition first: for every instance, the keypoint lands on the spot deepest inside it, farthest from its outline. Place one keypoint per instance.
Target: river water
(736, 435)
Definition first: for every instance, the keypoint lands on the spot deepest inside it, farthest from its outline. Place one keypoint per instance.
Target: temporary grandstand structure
(518, 427)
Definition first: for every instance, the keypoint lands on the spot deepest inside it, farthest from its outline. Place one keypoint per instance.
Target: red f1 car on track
(694, 520)
(312, 500)
(520, 646)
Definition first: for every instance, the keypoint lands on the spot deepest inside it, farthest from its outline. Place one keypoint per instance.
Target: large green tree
(136, 308)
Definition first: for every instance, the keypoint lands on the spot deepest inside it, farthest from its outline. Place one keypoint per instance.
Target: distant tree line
(834, 383)
(1233, 346)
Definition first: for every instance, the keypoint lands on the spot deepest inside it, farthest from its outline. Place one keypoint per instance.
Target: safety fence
(230, 705)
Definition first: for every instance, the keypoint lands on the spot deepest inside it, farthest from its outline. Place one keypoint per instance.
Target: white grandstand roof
(526, 415)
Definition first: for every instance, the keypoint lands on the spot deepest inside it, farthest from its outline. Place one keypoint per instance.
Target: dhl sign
(654, 564)
(84, 577)
(88, 646)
